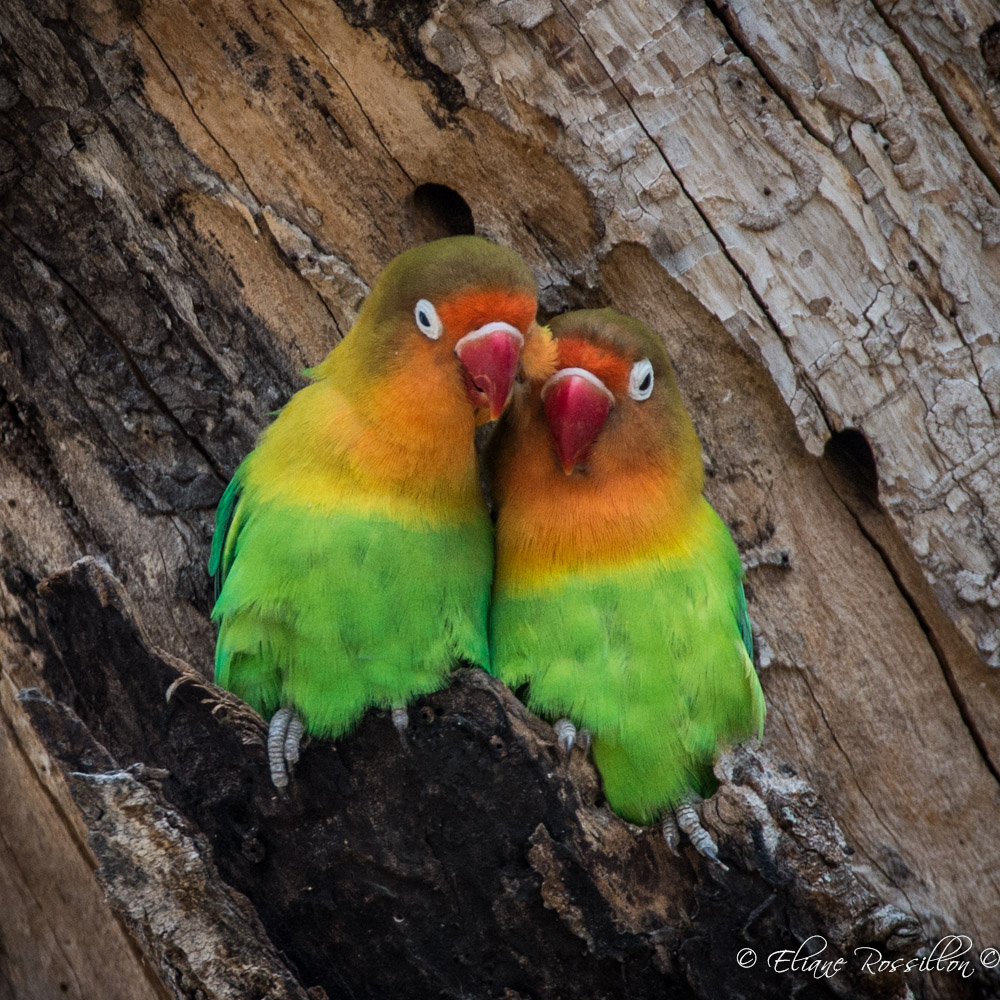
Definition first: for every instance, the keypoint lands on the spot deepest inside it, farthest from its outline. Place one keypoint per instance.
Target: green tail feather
(335, 614)
(654, 660)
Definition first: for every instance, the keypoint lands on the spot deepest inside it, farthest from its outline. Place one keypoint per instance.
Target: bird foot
(565, 735)
(568, 736)
(671, 833)
(401, 720)
(685, 819)
(284, 739)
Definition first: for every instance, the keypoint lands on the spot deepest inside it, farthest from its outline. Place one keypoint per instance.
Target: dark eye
(640, 380)
(428, 321)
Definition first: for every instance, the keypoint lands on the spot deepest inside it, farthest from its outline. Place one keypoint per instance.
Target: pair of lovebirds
(356, 562)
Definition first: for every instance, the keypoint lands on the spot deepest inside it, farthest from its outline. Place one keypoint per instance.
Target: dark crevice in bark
(198, 118)
(400, 23)
(343, 80)
(30, 452)
(848, 465)
(852, 455)
(989, 48)
(442, 211)
(724, 14)
(970, 343)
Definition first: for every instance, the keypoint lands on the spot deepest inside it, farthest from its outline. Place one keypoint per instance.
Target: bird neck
(400, 444)
(617, 513)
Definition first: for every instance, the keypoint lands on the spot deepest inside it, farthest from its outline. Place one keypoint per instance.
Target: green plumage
(336, 614)
(652, 658)
(618, 599)
(353, 552)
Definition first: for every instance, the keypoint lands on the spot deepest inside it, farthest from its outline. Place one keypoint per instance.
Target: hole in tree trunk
(850, 455)
(440, 211)
(989, 46)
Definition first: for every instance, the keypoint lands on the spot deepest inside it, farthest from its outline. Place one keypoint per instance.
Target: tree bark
(802, 199)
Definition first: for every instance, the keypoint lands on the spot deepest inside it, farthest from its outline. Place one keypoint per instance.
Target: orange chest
(549, 522)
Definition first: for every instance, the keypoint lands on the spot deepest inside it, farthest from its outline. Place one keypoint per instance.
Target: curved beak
(489, 356)
(576, 404)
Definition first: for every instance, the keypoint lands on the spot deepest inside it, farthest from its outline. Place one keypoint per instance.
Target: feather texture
(340, 613)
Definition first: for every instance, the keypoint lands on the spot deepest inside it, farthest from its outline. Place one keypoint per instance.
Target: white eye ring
(428, 321)
(640, 380)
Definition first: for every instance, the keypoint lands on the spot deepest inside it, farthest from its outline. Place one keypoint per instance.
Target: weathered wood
(54, 916)
(194, 199)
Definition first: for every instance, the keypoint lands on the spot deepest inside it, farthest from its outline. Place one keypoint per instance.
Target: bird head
(458, 312)
(613, 398)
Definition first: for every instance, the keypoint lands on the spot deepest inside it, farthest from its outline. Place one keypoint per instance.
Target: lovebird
(618, 596)
(353, 552)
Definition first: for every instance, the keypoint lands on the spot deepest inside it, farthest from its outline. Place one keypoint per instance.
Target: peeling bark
(802, 199)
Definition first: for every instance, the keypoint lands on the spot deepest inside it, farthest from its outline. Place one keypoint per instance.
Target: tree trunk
(801, 198)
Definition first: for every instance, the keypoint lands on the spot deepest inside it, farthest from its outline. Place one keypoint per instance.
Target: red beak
(576, 405)
(489, 356)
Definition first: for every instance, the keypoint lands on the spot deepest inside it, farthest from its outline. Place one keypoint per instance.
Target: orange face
(469, 310)
(599, 463)
(425, 409)
(391, 414)
(460, 308)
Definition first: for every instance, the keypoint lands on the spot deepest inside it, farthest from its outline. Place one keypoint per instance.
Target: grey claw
(293, 739)
(401, 721)
(671, 833)
(183, 679)
(565, 735)
(277, 733)
(583, 740)
(701, 839)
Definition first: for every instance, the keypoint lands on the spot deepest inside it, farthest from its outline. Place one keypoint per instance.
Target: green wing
(654, 660)
(218, 565)
(335, 613)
